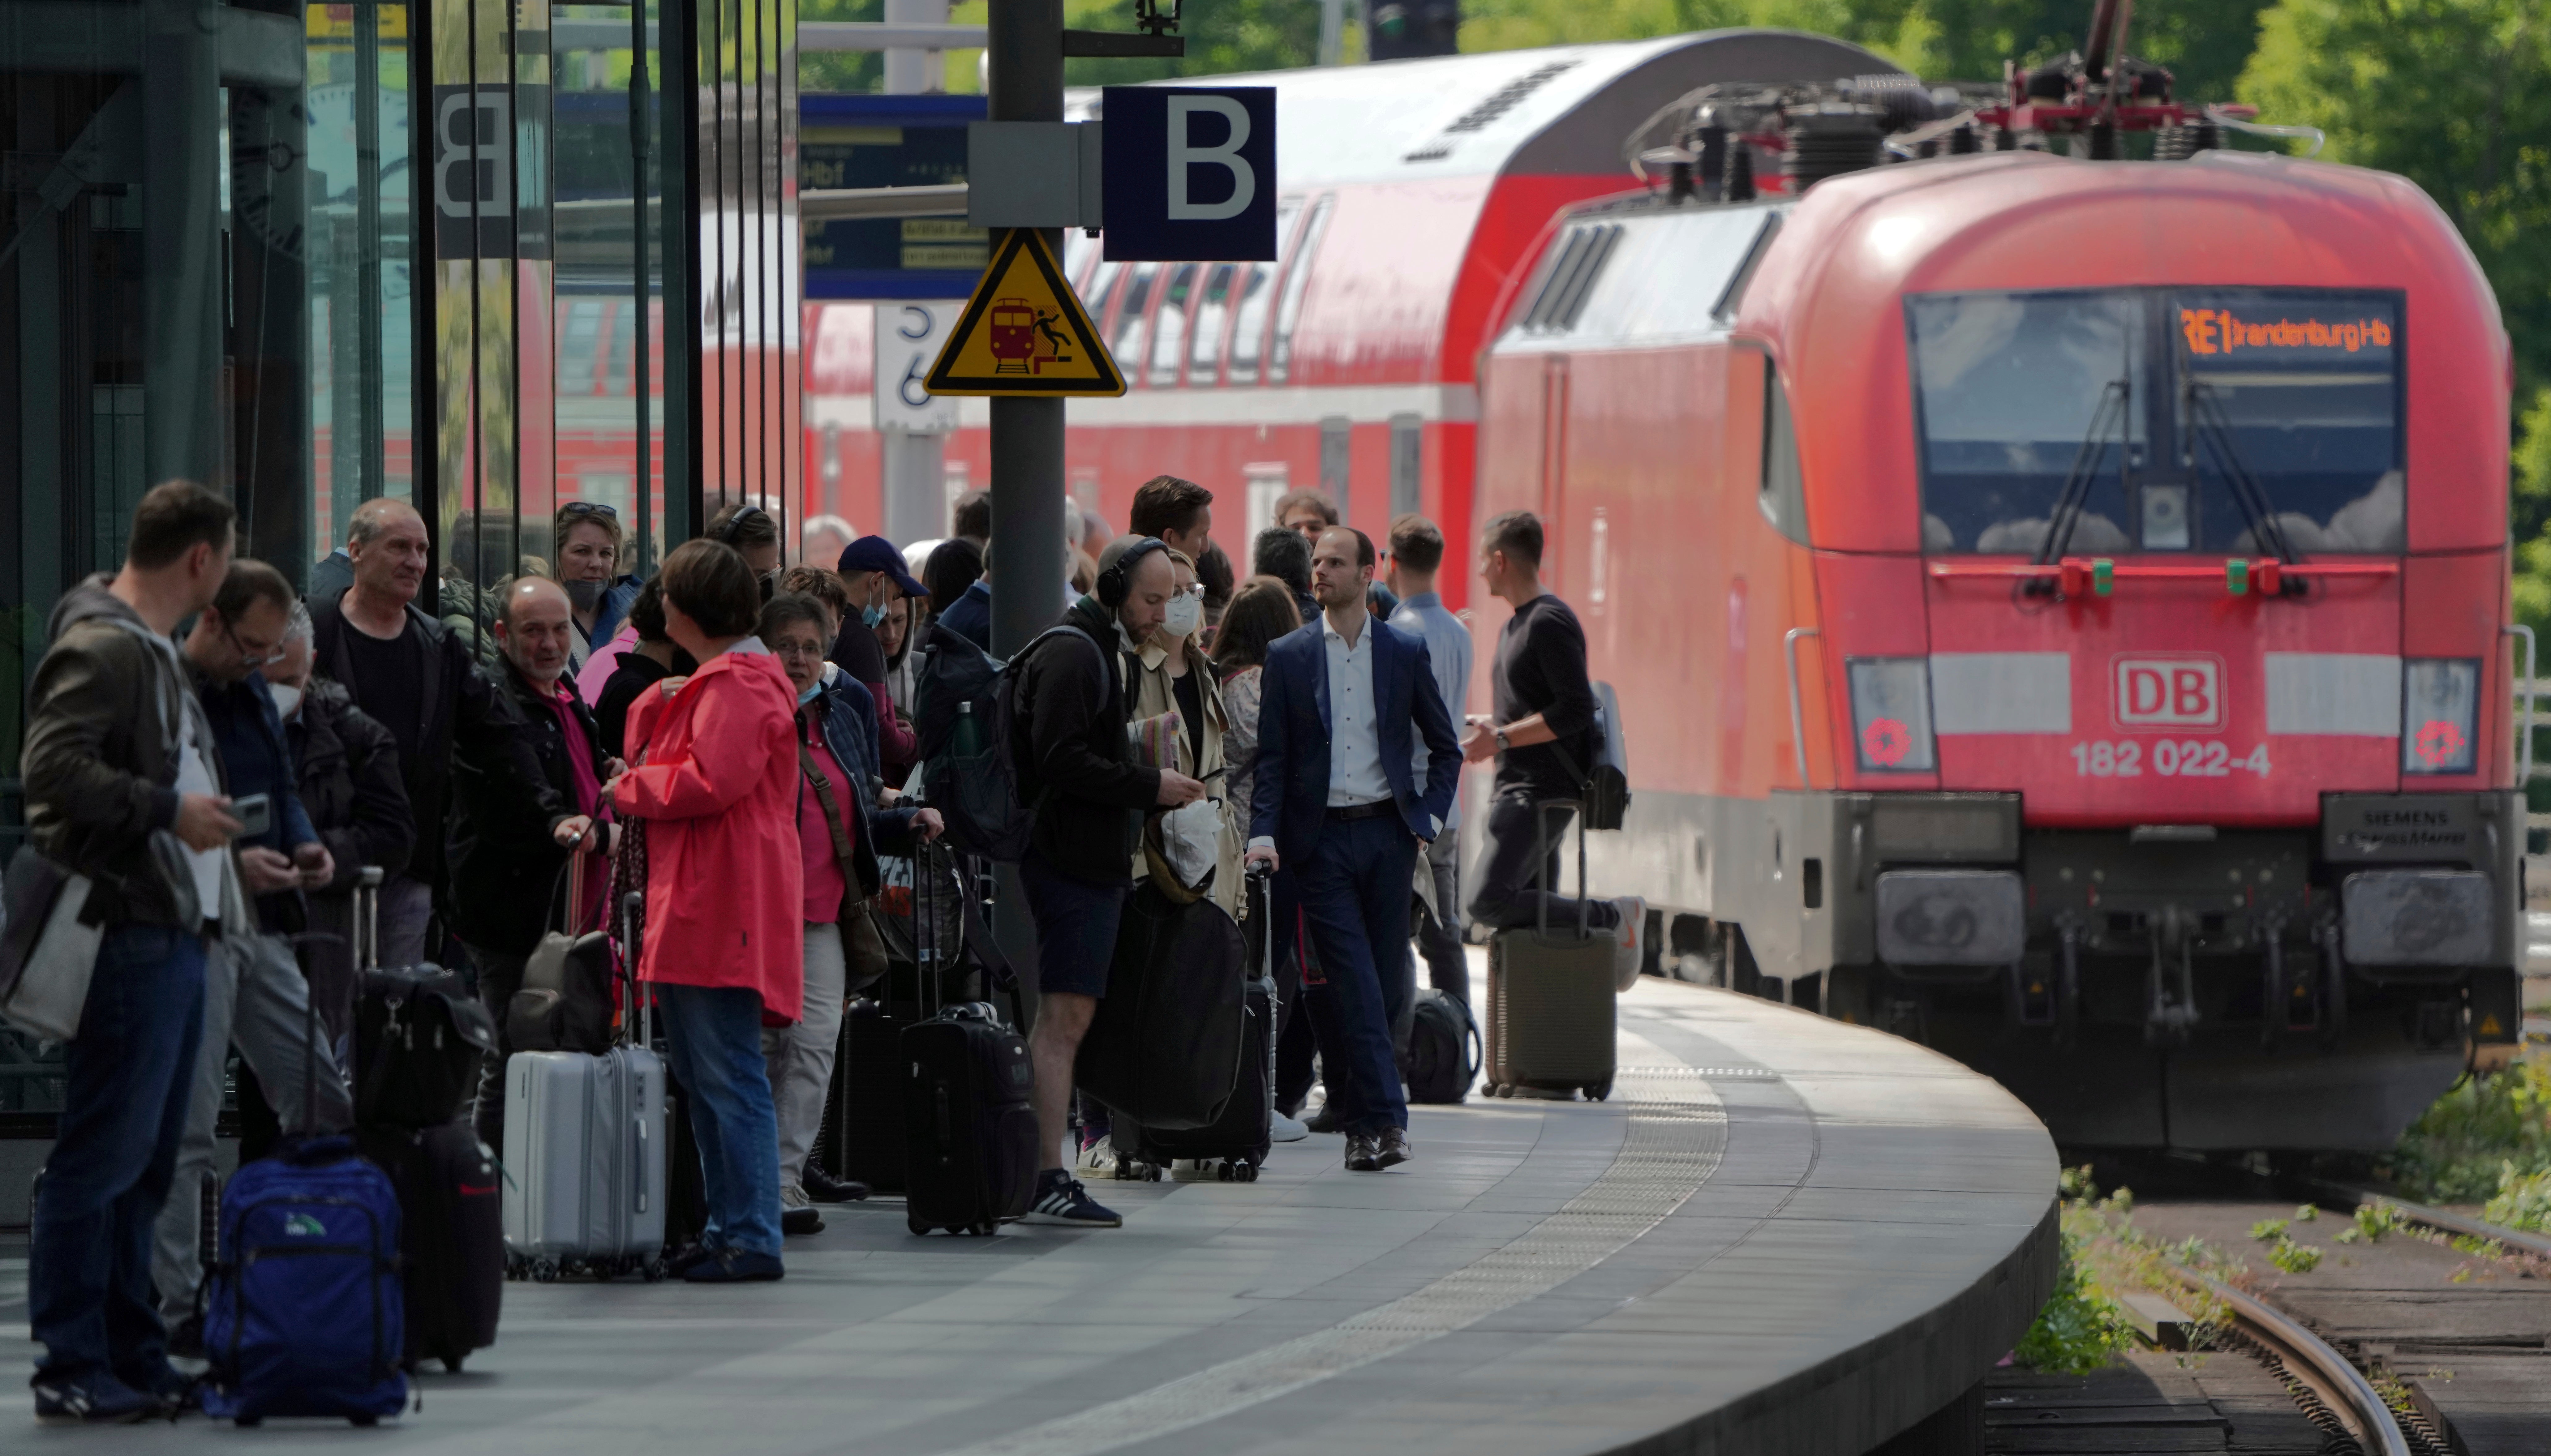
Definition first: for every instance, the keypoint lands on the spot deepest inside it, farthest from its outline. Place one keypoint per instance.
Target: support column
(1026, 50)
(182, 316)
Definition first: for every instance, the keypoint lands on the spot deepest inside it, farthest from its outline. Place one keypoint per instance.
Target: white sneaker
(1282, 1129)
(1629, 949)
(1099, 1157)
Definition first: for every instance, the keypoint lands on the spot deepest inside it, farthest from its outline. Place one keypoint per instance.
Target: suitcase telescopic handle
(1541, 845)
(368, 918)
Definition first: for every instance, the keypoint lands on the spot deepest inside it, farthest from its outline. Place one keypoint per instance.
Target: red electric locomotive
(2059, 605)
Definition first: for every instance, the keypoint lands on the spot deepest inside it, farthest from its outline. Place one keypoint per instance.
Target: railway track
(2427, 1336)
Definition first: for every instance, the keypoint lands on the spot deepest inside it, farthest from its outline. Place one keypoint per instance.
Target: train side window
(1257, 290)
(1212, 309)
(1136, 287)
(1784, 496)
(1280, 363)
(1407, 463)
(1170, 330)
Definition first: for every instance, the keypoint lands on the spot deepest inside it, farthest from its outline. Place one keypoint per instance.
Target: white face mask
(1184, 614)
(287, 700)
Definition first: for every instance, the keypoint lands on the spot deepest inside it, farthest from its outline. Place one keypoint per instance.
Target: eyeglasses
(252, 661)
(578, 510)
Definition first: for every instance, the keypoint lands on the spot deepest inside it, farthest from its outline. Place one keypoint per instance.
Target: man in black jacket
(415, 677)
(1076, 767)
(123, 786)
(351, 790)
(510, 880)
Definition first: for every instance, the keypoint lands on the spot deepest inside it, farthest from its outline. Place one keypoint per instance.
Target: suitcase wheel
(452, 1363)
(1599, 1090)
(544, 1271)
(367, 1421)
(1222, 1173)
(652, 1271)
(916, 1225)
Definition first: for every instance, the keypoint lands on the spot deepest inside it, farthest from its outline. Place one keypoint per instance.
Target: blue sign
(888, 142)
(1190, 173)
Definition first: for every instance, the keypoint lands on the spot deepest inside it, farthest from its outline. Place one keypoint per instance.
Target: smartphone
(255, 815)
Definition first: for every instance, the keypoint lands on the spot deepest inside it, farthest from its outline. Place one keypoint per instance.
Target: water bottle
(969, 733)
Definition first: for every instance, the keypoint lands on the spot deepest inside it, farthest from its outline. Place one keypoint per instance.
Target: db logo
(2170, 692)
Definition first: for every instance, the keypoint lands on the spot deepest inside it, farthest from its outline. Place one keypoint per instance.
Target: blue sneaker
(98, 1399)
(1063, 1201)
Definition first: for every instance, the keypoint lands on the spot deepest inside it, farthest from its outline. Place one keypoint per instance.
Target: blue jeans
(1355, 902)
(130, 1076)
(714, 1033)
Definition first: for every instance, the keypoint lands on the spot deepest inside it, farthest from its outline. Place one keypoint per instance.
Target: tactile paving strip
(1671, 1147)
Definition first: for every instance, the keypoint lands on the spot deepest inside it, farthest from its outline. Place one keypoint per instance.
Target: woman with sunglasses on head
(591, 548)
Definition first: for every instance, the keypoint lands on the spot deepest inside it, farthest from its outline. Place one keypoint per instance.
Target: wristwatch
(1499, 734)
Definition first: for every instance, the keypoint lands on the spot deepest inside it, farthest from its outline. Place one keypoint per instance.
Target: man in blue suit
(1346, 700)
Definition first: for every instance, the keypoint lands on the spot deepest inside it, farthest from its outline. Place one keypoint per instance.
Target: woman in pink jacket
(724, 937)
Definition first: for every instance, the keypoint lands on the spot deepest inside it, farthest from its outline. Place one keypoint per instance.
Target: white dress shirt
(1354, 736)
(1448, 651)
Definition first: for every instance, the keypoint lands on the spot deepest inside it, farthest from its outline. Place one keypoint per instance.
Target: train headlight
(1891, 715)
(2439, 714)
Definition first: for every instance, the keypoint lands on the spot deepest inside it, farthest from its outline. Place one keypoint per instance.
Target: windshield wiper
(2206, 412)
(2077, 482)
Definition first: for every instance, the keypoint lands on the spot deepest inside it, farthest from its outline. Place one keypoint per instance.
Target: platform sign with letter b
(1190, 173)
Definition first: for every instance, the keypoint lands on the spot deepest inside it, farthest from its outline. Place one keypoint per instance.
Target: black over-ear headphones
(733, 527)
(1116, 583)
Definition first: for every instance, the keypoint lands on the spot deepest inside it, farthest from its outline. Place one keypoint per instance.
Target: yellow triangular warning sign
(1024, 332)
(2489, 1025)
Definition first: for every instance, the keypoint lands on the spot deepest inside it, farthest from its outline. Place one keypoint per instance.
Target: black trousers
(1519, 869)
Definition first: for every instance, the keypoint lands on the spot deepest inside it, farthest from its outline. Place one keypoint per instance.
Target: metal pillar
(1026, 56)
(913, 467)
(915, 470)
(269, 292)
(1027, 434)
(181, 320)
(914, 72)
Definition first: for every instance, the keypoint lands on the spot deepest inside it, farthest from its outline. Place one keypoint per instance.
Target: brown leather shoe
(1359, 1154)
(1391, 1149)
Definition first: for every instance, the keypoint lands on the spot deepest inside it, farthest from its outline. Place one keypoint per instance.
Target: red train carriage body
(2196, 826)
(1413, 193)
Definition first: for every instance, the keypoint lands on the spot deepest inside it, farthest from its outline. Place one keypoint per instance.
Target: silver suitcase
(585, 1155)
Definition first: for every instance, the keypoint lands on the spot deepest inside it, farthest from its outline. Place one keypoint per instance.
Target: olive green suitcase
(1550, 1000)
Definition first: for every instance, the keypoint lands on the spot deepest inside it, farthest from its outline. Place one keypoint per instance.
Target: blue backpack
(303, 1312)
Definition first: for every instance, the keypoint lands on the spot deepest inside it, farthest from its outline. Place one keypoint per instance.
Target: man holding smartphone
(254, 994)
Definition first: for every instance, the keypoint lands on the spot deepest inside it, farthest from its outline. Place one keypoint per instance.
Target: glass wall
(321, 253)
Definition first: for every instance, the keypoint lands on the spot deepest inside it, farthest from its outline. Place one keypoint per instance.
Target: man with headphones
(1088, 796)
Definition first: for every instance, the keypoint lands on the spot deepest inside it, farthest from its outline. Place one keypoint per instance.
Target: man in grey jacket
(123, 786)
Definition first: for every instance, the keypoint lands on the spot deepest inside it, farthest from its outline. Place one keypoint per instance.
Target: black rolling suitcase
(1236, 1142)
(970, 1126)
(452, 1239)
(451, 1245)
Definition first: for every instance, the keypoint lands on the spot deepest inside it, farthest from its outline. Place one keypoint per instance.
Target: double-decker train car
(1412, 194)
(2059, 612)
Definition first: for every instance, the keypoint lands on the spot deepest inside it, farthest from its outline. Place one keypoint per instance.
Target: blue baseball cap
(877, 554)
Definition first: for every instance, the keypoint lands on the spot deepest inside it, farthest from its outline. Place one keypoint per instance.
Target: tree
(2456, 96)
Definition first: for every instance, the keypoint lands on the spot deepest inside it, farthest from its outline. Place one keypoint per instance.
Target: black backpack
(975, 793)
(1443, 1049)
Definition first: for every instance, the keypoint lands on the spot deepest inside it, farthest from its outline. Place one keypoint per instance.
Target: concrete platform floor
(1780, 1235)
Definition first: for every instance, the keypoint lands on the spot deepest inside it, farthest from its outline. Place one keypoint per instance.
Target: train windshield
(2241, 420)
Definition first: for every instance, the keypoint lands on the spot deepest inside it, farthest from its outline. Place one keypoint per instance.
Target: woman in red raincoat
(724, 940)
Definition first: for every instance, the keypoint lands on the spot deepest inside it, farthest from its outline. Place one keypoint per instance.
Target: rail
(2443, 1221)
(2099, 575)
(2350, 1396)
